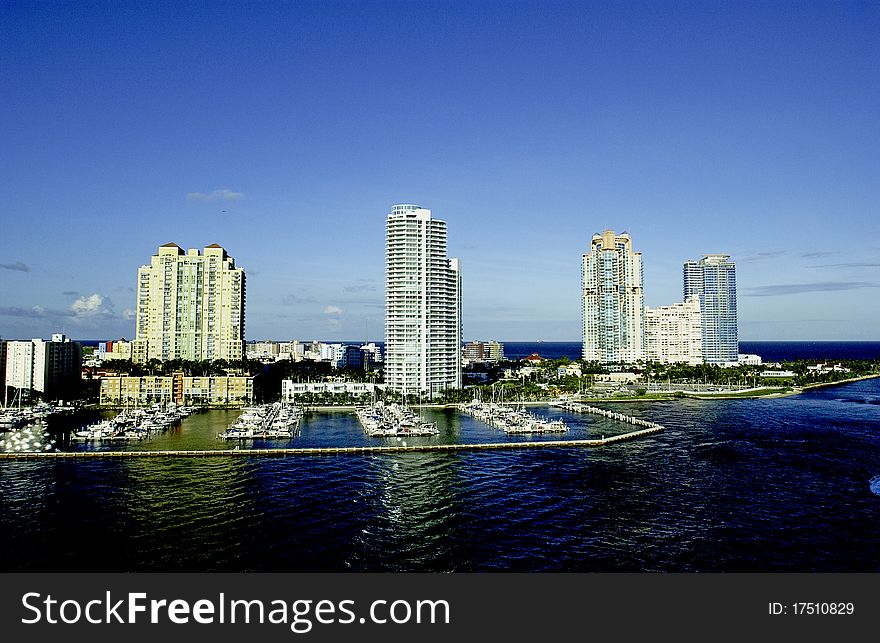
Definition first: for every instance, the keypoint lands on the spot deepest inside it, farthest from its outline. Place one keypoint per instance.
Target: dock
(580, 407)
(320, 451)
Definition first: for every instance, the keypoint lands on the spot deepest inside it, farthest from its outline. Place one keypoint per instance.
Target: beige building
(190, 306)
(674, 333)
(179, 388)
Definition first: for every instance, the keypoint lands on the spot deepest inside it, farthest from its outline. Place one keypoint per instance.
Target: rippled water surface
(736, 485)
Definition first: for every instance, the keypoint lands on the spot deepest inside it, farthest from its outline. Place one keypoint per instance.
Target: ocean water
(769, 351)
(778, 351)
(733, 485)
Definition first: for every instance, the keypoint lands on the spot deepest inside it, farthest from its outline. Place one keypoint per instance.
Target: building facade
(20, 364)
(713, 280)
(293, 350)
(613, 300)
(350, 357)
(3, 362)
(290, 389)
(190, 306)
(52, 368)
(372, 355)
(179, 388)
(674, 333)
(422, 304)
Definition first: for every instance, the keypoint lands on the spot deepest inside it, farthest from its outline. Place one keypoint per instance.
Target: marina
(284, 426)
(364, 450)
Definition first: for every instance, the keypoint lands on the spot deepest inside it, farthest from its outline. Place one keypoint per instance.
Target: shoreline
(795, 390)
(671, 397)
(850, 380)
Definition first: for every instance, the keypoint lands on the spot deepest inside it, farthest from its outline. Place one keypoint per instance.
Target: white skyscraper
(613, 300)
(422, 304)
(190, 306)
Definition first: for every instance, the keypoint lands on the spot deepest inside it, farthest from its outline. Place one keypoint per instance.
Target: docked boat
(265, 421)
(393, 420)
(132, 424)
(511, 420)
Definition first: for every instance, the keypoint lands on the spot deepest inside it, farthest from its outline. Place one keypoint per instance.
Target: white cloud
(216, 195)
(92, 306)
(128, 314)
(332, 310)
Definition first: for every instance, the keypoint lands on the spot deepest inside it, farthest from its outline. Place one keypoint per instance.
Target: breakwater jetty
(580, 407)
(318, 451)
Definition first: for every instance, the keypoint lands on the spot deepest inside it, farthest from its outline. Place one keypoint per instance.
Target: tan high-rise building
(613, 300)
(190, 306)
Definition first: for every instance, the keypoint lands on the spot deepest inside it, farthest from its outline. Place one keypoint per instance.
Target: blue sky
(285, 131)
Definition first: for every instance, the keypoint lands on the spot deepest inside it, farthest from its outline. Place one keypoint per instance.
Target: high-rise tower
(190, 306)
(613, 300)
(713, 280)
(422, 304)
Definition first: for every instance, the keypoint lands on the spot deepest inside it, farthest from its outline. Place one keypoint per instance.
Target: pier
(580, 407)
(365, 450)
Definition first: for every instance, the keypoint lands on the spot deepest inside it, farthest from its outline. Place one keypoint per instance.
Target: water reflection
(415, 499)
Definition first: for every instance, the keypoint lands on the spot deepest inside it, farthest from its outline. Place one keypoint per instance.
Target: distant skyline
(285, 131)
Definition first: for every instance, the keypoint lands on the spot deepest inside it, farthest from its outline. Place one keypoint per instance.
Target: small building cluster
(477, 352)
(365, 357)
(50, 368)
